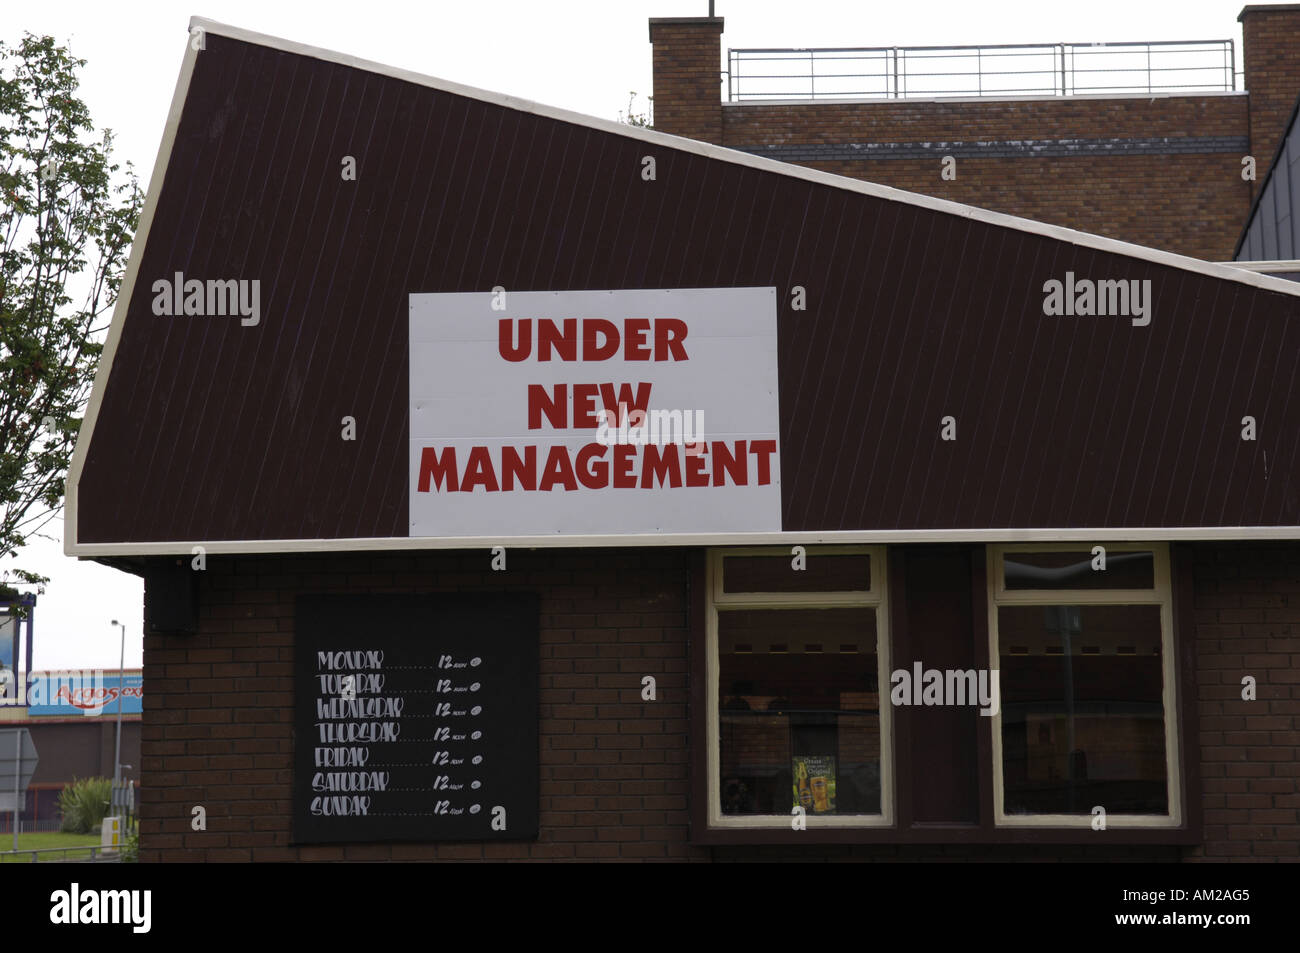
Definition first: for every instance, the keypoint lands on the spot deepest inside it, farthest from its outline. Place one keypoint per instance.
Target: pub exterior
(513, 484)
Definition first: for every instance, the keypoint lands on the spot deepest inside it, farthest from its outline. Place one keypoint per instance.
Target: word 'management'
(596, 466)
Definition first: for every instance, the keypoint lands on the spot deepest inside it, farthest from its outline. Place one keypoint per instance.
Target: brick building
(1159, 169)
(919, 459)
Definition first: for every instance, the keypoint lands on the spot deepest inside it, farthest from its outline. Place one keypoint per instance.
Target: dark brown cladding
(210, 430)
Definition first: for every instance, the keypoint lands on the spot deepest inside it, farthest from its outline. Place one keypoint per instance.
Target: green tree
(66, 222)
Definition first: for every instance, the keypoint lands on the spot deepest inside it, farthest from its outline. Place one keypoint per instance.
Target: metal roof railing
(1050, 69)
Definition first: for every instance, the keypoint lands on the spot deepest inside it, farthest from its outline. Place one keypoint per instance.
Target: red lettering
(594, 474)
(636, 339)
(642, 339)
(512, 467)
(565, 344)
(558, 470)
(617, 407)
(479, 471)
(664, 465)
(584, 405)
(762, 451)
(509, 350)
(695, 473)
(624, 478)
(555, 408)
(724, 464)
(438, 468)
(669, 335)
(591, 351)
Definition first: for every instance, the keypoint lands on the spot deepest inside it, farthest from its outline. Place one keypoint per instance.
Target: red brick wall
(688, 76)
(1247, 620)
(1181, 200)
(1191, 203)
(614, 769)
(1271, 69)
(218, 705)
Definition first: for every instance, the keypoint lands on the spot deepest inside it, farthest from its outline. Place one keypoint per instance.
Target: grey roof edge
(1268, 176)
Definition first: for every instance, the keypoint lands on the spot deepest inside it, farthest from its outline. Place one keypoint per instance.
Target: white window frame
(1160, 594)
(874, 597)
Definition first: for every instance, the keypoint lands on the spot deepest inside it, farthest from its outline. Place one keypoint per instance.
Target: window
(795, 659)
(1083, 639)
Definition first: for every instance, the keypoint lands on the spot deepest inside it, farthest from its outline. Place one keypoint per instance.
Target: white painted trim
(73, 547)
(1162, 595)
(715, 819)
(1265, 267)
(1004, 596)
(1043, 97)
(768, 599)
(125, 291)
(167, 548)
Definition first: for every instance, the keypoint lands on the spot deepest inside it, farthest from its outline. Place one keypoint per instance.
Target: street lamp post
(121, 681)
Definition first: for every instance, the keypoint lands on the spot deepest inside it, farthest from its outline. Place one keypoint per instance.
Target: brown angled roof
(209, 431)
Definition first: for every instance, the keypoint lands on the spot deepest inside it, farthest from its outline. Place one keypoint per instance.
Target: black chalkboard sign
(415, 718)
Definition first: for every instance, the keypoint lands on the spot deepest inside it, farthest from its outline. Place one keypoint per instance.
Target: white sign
(594, 413)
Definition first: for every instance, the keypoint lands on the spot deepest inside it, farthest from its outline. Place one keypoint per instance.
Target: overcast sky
(584, 55)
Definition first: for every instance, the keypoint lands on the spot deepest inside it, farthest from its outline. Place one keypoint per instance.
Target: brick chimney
(687, 69)
(1271, 61)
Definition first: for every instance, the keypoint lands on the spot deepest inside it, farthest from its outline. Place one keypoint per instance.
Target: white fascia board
(1265, 267)
(556, 541)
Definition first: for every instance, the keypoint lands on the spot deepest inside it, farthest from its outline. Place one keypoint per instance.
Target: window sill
(945, 834)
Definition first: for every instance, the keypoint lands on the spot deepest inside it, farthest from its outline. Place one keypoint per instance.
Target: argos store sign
(594, 413)
(91, 692)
